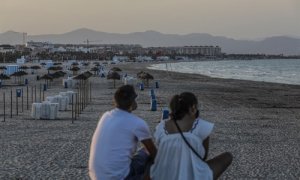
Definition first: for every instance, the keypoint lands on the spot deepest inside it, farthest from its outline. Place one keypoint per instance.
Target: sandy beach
(257, 122)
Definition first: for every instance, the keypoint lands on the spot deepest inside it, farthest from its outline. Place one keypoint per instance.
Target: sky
(239, 19)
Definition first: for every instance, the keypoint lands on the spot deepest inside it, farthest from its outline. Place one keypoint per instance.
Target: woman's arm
(206, 147)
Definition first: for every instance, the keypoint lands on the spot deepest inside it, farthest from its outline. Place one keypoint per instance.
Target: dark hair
(180, 105)
(124, 97)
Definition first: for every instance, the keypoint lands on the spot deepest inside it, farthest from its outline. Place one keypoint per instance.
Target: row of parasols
(113, 74)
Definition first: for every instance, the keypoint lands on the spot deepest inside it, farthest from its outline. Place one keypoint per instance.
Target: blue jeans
(139, 163)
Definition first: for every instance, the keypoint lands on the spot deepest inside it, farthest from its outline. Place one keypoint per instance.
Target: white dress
(175, 160)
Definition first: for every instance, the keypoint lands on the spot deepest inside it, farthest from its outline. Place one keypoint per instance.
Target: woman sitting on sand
(183, 144)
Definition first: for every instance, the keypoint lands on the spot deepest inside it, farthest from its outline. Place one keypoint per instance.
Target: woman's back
(175, 160)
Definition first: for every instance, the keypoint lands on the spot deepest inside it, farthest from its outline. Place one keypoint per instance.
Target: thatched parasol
(46, 77)
(74, 69)
(95, 70)
(145, 76)
(115, 69)
(19, 74)
(4, 77)
(140, 73)
(2, 68)
(35, 67)
(115, 76)
(24, 67)
(55, 68)
(85, 63)
(56, 64)
(74, 64)
(58, 74)
(88, 74)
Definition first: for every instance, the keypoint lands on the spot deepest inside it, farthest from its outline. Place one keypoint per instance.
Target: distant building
(143, 58)
(209, 51)
(120, 58)
(21, 60)
(162, 58)
(201, 50)
(7, 48)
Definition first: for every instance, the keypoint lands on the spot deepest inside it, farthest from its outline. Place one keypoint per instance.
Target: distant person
(113, 153)
(183, 142)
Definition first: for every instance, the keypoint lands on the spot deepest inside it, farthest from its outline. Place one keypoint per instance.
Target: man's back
(114, 143)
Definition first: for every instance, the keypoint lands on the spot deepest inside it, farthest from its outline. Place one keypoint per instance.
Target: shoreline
(286, 81)
(257, 122)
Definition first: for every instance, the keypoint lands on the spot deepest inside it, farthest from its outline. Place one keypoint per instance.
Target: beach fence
(18, 99)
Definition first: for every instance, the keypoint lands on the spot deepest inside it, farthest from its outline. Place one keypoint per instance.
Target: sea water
(285, 71)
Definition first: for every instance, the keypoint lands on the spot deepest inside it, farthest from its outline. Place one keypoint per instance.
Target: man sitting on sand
(116, 138)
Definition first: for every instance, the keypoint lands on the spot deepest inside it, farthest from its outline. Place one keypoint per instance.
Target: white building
(59, 49)
(7, 48)
(143, 58)
(117, 59)
(163, 58)
(21, 60)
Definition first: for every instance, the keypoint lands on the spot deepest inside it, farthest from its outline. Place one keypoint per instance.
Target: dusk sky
(241, 19)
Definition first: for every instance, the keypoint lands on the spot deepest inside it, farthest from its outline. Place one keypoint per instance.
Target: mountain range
(271, 45)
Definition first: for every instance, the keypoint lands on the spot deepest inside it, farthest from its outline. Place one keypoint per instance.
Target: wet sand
(257, 122)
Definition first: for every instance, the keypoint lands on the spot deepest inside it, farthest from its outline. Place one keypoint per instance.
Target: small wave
(255, 70)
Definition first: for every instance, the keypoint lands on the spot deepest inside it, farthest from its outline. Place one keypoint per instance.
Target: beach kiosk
(10, 69)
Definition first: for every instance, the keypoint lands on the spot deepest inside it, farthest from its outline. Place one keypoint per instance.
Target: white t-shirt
(114, 143)
(175, 160)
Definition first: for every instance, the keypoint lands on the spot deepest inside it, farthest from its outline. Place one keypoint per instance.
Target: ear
(192, 109)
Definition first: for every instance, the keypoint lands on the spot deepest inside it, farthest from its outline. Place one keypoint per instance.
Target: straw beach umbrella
(19, 75)
(57, 63)
(88, 74)
(47, 77)
(115, 76)
(74, 70)
(58, 74)
(95, 70)
(2, 68)
(115, 69)
(24, 67)
(4, 77)
(35, 67)
(145, 76)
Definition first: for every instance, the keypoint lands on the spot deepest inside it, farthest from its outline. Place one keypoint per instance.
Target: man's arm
(151, 148)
